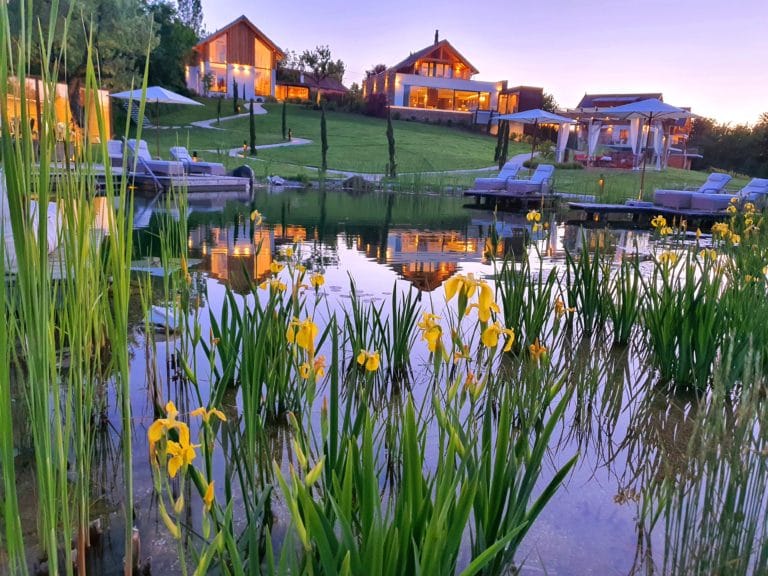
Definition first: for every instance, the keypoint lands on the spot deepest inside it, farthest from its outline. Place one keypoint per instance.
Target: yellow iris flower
(537, 350)
(431, 331)
(161, 426)
(206, 414)
(533, 216)
(317, 280)
(181, 454)
(256, 217)
(368, 359)
(209, 497)
(302, 333)
(490, 336)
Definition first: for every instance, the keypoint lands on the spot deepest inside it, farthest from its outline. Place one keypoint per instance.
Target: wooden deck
(641, 212)
(502, 199)
(194, 184)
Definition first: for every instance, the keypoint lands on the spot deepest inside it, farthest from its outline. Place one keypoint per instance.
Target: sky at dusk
(711, 55)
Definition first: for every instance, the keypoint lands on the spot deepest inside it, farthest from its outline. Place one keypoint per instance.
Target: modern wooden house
(436, 83)
(239, 52)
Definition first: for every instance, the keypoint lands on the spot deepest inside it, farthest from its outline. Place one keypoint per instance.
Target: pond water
(628, 432)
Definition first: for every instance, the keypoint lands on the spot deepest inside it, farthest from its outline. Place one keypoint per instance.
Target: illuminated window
(219, 49)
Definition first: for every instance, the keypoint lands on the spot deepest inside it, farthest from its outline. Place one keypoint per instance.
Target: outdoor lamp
(601, 183)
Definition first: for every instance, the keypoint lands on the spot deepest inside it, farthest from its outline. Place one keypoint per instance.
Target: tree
(548, 103)
(166, 62)
(377, 69)
(234, 100)
(289, 68)
(502, 127)
(218, 109)
(319, 64)
(252, 129)
(323, 141)
(391, 142)
(119, 34)
(505, 146)
(283, 121)
(191, 15)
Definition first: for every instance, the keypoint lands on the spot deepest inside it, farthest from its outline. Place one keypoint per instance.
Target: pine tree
(324, 140)
(391, 142)
(283, 120)
(252, 128)
(234, 101)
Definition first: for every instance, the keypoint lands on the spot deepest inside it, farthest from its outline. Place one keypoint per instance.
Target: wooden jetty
(642, 212)
(503, 200)
(194, 184)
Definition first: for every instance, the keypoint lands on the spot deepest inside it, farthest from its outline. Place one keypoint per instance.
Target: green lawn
(356, 142)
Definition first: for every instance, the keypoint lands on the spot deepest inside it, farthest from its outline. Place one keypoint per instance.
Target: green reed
(67, 312)
(587, 281)
(13, 539)
(623, 303)
(716, 521)
(398, 333)
(684, 319)
(526, 297)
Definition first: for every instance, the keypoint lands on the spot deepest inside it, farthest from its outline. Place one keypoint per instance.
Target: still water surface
(625, 431)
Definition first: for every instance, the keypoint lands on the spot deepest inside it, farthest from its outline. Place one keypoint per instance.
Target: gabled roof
(611, 100)
(242, 19)
(431, 48)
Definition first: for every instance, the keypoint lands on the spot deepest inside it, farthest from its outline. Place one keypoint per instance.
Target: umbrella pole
(643, 152)
(157, 127)
(533, 144)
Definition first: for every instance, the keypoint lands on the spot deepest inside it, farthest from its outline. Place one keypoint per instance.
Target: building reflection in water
(231, 256)
(429, 258)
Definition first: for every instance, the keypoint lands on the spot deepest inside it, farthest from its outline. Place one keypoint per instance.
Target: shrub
(376, 105)
(396, 115)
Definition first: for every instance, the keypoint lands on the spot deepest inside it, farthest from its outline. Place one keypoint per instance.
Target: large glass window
(263, 56)
(469, 101)
(219, 49)
(445, 99)
(262, 83)
(417, 97)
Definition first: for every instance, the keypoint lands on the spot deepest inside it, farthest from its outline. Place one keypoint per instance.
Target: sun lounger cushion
(755, 191)
(158, 167)
(673, 198)
(193, 166)
(540, 181)
(710, 202)
(509, 170)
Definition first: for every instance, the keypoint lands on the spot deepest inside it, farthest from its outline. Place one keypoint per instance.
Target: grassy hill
(356, 142)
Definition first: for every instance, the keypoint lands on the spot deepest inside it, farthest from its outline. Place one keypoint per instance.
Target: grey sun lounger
(713, 186)
(499, 182)
(539, 182)
(192, 166)
(755, 191)
(147, 163)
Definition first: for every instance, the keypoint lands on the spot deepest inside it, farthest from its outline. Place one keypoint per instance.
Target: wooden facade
(238, 55)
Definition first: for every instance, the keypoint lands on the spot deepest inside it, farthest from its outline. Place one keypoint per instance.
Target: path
(209, 124)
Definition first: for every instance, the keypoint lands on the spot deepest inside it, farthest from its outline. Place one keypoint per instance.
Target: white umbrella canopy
(536, 116)
(156, 95)
(649, 110)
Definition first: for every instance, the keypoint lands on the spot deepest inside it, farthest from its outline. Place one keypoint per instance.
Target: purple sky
(711, 55)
